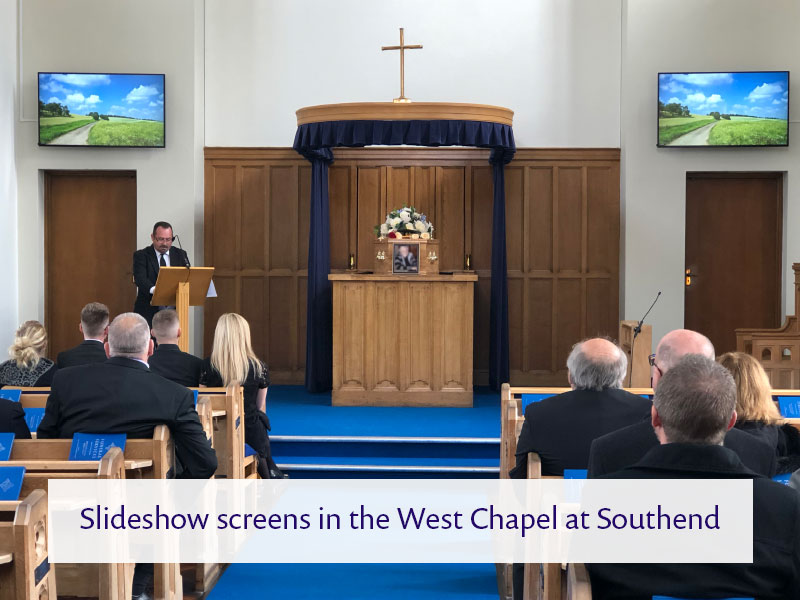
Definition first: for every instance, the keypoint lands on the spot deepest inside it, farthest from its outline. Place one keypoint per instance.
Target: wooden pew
(104, 581)
(25, 571)
(228, 413)
(226, 407)
(578, 585)
(150, 458)
(512, 417)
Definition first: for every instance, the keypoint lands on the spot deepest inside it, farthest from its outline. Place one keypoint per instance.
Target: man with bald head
(122, 395)
(620, 449)
(561, 428)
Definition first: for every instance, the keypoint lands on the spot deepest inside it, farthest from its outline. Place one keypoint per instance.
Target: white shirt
(158, 261)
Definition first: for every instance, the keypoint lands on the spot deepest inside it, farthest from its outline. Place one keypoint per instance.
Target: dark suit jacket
(145, 273)
(627, 446)
(171, 363)
(87, 352)
(774, 573)
(561, 428)
(122, 395)
(12, 419)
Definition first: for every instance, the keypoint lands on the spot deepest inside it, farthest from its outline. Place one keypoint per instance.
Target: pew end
(25, 571)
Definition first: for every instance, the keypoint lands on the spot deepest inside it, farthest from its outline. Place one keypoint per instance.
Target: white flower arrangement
(405, 222)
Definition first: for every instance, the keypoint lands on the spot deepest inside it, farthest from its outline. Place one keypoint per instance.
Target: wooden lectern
(182, 287)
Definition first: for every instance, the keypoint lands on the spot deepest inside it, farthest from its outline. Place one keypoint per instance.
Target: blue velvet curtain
(319, 311)
(314, 141)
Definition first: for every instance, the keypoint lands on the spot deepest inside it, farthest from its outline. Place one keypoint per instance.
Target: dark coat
(561, 428)
(172, 363)
(145, 273)
(627, 446)
(12, 419)
(783, 439)
(774, 573)
(122, 395)
(85, 353)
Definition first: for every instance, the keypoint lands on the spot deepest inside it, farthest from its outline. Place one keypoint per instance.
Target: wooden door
(90, 238)
(734, 224)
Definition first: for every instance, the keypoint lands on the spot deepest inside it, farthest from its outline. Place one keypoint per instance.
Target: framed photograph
(405, 258)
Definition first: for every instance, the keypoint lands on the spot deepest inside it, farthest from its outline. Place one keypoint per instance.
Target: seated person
(12, 419)
(561, 428)
(28, 366)
(168, 360)
(122, 395)
(233, 361)
(94, 327)
(757, 413)
(693, 407)
(620, 449)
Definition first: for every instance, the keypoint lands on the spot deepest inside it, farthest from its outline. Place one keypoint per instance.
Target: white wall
(556, 63)
(8, 175)
(146, 36)
(704, 35)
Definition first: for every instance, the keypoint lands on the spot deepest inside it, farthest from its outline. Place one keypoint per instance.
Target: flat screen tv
(742, 109)
(117, 110)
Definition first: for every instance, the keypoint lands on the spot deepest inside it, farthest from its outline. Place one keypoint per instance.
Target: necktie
(163, 261)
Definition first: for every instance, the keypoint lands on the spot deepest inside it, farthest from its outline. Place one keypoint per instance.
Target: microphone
(636, 331)
(186, 256)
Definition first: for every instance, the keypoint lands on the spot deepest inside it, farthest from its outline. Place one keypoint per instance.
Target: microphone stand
(185, 255)
(636, 331)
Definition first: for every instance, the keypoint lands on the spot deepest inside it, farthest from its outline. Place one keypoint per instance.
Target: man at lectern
(147, 262)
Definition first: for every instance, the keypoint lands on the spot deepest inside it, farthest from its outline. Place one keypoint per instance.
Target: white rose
(425, 236)
(420, 226)
(405, 216)
(414, 236)
(395, 221)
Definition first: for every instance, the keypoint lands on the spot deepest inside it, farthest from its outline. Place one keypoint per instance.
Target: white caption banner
(401, 521)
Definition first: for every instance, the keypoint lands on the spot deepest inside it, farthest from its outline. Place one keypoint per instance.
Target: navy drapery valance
(314, 141)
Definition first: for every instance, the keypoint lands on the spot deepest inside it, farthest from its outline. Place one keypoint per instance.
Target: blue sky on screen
(137, 96)
(753, 94)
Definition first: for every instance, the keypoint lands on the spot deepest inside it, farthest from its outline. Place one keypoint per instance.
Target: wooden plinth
(402, 340)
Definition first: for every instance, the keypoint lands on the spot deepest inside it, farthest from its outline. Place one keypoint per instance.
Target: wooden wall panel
(540, 218)
(371, 200)
(562, 221)
(253, 217)
(449, 223)
(340, 189)
(569, 215)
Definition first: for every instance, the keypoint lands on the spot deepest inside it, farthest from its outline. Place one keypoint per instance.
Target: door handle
(689, 275)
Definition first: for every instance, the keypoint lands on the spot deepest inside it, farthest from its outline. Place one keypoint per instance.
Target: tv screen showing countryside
(723, 109)
(101, 109)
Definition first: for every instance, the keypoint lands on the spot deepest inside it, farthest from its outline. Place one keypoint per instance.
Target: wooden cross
(402, 47)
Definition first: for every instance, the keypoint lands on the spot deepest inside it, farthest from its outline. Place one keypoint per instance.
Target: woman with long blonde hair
(28, 366)
(233, 361)
(756, 412)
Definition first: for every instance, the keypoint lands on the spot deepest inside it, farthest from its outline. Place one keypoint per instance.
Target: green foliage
(714, 114)
(94, 115)
(670, 129)
(753, 132)
(673, 110)
(52, 127)
(53, 109)
(127, 133)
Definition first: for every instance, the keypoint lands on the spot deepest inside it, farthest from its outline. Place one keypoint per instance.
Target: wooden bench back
(23, 536)
(44, 455)
(227, 406)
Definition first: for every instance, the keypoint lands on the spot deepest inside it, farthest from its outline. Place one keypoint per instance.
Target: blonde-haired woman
(28, 367)
(756, 412)
(232, 360)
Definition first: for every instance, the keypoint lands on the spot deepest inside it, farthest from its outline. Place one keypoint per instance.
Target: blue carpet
(357, 582)
(293, 411)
